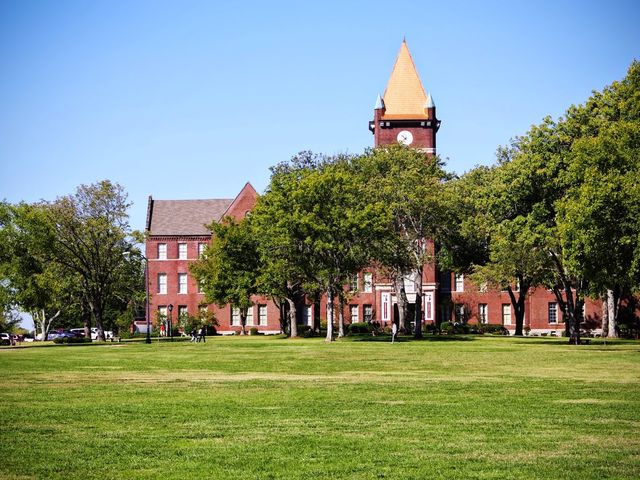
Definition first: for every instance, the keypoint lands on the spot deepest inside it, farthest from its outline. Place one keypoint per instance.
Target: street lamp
(171, 321)
(147, 313)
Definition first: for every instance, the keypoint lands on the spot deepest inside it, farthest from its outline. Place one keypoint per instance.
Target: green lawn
(259, 407)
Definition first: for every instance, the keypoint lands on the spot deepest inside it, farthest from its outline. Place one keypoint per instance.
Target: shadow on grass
(408, 339)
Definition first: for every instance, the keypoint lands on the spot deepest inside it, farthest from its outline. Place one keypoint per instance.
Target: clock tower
(405, 113)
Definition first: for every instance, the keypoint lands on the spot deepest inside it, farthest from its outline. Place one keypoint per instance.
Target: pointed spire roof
(430, 103)
(404, 97)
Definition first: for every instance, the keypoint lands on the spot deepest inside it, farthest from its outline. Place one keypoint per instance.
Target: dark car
(61, 334)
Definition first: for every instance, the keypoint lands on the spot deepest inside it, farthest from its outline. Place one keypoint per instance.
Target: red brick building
(405, 113)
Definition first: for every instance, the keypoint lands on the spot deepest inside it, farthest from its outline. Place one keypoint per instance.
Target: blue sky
(193, 99)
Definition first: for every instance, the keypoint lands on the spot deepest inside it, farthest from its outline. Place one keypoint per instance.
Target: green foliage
(228, 269)
(72, 340)
(359, 328)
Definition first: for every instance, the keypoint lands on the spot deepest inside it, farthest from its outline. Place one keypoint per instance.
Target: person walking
(201, 335)
(394, 332)
(193, 334)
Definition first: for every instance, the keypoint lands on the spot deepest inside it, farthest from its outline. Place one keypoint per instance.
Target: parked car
(5, 339)
(79, 332)
(108, 334)
(61, 334)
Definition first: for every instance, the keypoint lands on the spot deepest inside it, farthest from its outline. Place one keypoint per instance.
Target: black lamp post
(146, 299)
(171, 321)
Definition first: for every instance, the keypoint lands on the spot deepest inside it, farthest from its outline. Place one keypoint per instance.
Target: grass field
(261, 408)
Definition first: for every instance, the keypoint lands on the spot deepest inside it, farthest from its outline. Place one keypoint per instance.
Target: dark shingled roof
(184, 217)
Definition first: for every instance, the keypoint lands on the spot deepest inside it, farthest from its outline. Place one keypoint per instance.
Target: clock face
(405, 137)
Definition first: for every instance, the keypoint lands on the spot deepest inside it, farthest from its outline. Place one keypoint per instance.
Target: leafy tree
(410, 186)
(496, 241)
(91, 237)
(229, 268)
(570, 189)
(317, 228)
(33, 282)
(284, 270)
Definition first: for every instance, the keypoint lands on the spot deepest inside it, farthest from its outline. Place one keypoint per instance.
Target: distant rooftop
(184, 217)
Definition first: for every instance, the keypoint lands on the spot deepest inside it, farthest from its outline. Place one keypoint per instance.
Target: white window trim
(262, 308)
(162, 286)
(367, 282)
(186, 249)
(455, 282)
(504, 317)
(186, 283)
(555, 304)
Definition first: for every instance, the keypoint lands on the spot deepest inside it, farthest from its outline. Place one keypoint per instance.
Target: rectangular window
(553, 312)
(162, 312)
(308, 318)
(262, 315)
(182, 311)
(162, 283)
(201, 248)
(235, 316)
(250, 316)
(459, 282)
(354, 314)
(353, 282)
(483, 313)
(162, 251)
(200, 286)
(368, 283)
(459, 312)
(182, 251)
(182, 283)
(506, 314)
(368, 313)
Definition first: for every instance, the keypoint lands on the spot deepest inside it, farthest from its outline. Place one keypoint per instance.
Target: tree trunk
(417, 332)
(605, 316)
(40, 320)
(97, 315)
(518, 304)
(612, 313)
(401, 300)
(243, 321)
(341, 318)
(293, 318)
(316, 314)
(86, 319)
(329, 337)
(282, 319)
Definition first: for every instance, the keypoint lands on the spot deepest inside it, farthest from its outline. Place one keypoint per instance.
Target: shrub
(211, 329)
(67, 340)
(356, 328)
(305, 331)
(494, 329)
(447, 328)
(431, 328)
(253, 331)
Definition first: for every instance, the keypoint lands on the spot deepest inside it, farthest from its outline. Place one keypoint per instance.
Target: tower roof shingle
(404, 97)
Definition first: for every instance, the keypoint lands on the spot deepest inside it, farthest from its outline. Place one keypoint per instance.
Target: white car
(108, 334)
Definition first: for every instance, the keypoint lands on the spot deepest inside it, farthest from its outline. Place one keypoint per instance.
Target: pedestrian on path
(394, 332)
